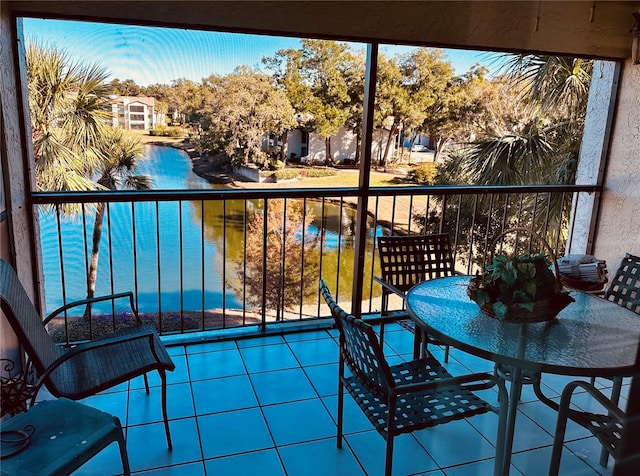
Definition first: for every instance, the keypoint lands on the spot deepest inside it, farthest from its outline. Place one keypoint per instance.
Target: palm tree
(530, 134)
(121, 152)
(72, 140)
(69, 113)
(542, 141)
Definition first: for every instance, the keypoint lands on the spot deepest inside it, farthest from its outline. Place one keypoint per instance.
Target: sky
(151, 55)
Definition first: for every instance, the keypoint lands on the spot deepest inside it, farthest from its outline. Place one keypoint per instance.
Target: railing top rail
(244, 194)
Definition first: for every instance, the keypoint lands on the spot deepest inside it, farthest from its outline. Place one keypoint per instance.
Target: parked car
(420, 148)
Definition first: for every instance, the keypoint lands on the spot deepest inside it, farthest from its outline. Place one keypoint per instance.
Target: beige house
(134, 112)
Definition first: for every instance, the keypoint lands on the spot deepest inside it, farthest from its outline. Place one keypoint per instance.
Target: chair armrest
(602, 399)
(390, 287)
(109, 297)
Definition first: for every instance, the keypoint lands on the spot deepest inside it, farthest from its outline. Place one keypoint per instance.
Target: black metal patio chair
(606, 427)
(404, 262)
(406, 397)
(624, 290)
(87, 368)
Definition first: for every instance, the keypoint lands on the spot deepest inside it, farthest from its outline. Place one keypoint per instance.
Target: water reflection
(183, 254)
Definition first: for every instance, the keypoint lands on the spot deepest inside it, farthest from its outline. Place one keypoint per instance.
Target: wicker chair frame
(409, 396)
(624, 289)
(87, 368)
(404, 262)
(606, 427)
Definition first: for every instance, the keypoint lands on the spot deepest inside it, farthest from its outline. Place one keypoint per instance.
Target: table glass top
(590, 337)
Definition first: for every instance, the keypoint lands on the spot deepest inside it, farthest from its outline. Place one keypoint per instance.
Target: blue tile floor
(266, 406)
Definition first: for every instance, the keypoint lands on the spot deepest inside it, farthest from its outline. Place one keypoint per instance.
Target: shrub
(320, 173)
(286, 174)
(174, 132)
(423, 174)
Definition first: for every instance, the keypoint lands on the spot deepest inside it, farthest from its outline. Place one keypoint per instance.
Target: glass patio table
(591, 337)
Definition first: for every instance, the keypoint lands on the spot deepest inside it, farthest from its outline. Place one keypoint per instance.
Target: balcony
(215, 433)
(267, 406)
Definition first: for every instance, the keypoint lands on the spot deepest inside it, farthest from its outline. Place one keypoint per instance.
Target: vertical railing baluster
(443, 211)
(244, 265)
(340, 218)
(224, 264)
(302, 254)
(393, 215)
(487, 232)
(86, 261)
(265, 229)
(457, 233)
(411, 213)
(374, 250)
(135, 254)
(181, 265)
(534, 215)
(62, 272)
(504, 226)
(563, 199)
(158, 266)
(283, 254)
(110, 247)
(546, 218)
(472, 228)
(322, 227)
(202, 269)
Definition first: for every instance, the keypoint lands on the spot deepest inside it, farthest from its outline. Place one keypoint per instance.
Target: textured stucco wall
(618, 228)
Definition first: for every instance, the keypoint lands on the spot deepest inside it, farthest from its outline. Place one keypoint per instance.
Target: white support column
(593, 154)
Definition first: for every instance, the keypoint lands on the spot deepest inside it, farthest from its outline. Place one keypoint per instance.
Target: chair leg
(383, 312)
(163, 377)
(146, 383)
(561, 427)
(391, 417)
(501, 435)
(446, 354)
(388, 465)
(417, 344)
(558, 443)
(340, 414)
(122, 446)
(616, 389)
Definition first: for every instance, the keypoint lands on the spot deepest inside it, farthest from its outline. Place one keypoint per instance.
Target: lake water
(145, 240)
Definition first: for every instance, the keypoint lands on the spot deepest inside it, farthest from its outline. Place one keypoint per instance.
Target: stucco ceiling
(598, 29)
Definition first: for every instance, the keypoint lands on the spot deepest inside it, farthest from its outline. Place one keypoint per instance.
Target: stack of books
(583, 268)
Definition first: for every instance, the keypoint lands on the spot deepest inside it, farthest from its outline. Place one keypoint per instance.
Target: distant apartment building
(134, 112)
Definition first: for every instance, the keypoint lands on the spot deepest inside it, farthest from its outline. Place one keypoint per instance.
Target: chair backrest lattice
(625, 286)
(25, 320)
(411, 259)
(360, 349)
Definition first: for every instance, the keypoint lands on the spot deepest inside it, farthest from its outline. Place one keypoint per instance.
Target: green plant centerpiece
(519, 289)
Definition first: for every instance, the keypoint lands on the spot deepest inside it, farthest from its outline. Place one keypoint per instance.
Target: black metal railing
(204, 260)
